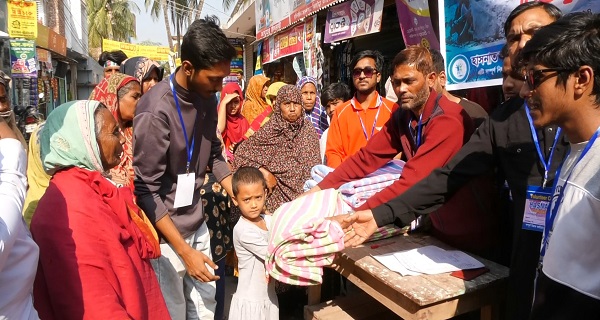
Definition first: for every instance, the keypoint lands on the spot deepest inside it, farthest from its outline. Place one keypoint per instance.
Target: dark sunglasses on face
(368, 71)
(534, 77)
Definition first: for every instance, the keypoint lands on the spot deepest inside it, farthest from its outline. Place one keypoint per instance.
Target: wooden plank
(314, 294)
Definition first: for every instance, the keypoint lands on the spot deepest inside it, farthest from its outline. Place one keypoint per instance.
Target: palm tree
(110, 19)
(178, 12)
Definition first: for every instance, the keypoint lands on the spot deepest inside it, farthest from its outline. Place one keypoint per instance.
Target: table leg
(490, 312)
(314, 294)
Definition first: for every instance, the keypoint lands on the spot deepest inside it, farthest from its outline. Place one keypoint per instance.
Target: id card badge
(184, 194)
(536, 205)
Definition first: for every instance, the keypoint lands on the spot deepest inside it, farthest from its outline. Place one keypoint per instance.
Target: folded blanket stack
(302, 241)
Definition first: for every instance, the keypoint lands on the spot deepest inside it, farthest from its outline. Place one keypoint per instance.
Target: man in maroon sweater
(428, 129)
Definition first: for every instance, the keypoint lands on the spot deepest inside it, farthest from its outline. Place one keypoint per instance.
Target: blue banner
(472, 35)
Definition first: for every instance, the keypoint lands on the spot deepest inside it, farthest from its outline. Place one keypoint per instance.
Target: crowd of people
(138, 195)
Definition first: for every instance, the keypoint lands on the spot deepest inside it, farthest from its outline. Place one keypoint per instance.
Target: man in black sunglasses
(563, 88)
(524, 156)
(359, 119)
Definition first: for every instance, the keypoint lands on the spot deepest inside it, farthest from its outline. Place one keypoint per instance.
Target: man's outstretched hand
(358, 226)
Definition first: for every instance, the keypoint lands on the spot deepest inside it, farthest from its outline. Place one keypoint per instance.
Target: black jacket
(503, 142)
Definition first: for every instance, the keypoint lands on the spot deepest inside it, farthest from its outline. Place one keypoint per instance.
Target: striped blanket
(302, 241)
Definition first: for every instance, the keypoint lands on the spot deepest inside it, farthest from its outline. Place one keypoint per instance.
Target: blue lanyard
(553, 209)
(419, 129)
(188, 147)
(379, 102)
(539, 149)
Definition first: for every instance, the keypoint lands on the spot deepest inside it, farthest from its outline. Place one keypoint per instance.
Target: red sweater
(445, 128)
(94, 260)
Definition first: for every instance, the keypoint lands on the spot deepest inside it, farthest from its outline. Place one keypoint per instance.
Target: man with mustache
(526, 157)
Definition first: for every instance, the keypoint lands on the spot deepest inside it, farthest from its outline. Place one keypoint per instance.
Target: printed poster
(271, 16)
(311, 43)
(352, 19)
(284, 44)
(22, 19)
(472, 35)
(237, 63)
(22, 58)
(415, 23)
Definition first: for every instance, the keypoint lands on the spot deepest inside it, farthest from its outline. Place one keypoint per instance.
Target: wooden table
(420, 297)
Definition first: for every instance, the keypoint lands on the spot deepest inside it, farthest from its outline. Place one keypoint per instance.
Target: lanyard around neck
(189, 147)
(545, 163)
(419, 129)
(553, 208)
(362, 124)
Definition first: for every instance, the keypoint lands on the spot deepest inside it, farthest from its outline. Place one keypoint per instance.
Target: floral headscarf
(318, 116)
(106, 92)
(288, 150)
(141, 67)
(255, 104)
(68, 139)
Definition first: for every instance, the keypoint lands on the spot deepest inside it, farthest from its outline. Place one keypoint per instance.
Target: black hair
(338, 90)
(98, 121)
(551, 9)
(246, 175)
(117, 56)
(204, 44)
(241, 73)
(373, 54)
(568, 43)
(438, 61)
(126, 88)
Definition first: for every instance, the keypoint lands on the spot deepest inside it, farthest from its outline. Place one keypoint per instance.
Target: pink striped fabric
(302, 241)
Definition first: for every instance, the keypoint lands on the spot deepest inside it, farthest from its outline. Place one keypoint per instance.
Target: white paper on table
(435, 260)
(390, 262)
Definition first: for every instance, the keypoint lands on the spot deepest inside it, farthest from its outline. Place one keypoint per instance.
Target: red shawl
(237, 125)
(95, 252)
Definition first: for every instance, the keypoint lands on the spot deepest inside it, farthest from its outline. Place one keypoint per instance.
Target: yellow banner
(22, 19)
(135, 50)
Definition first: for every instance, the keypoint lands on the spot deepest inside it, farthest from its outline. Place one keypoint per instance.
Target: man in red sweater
(428, 129)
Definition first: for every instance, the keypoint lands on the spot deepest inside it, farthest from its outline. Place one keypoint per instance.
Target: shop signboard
(237, 63)
(352, 19)
(157, 53)
(304, 8)
(415, 23)
(22, 58)
(283, 44)
(271, 17)
(22, 19)
(472, 36)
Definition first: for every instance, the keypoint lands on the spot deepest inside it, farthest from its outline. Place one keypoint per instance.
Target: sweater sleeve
(429, 194)
(442, 139)
(151, 145)
(334, 148)
(380, 149)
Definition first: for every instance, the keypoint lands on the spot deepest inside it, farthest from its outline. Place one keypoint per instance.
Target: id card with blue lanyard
(538, 198)
(559, 196)
(184, 194)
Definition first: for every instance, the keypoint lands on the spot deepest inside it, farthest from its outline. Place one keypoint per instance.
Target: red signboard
(284, 44)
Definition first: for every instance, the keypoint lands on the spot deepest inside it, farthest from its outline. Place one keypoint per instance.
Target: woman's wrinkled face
(129, 101)
(150, 81)
(309, 96)
(291, 111)
(110, 140)
(233, 107)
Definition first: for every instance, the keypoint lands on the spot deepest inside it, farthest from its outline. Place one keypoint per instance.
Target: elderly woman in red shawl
(231, 123)
(120, 93)
(285, 149)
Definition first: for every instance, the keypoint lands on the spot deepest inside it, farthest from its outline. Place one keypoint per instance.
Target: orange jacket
(346, 132)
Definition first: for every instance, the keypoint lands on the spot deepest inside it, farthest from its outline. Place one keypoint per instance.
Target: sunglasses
(368, 71)
(534, 77)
